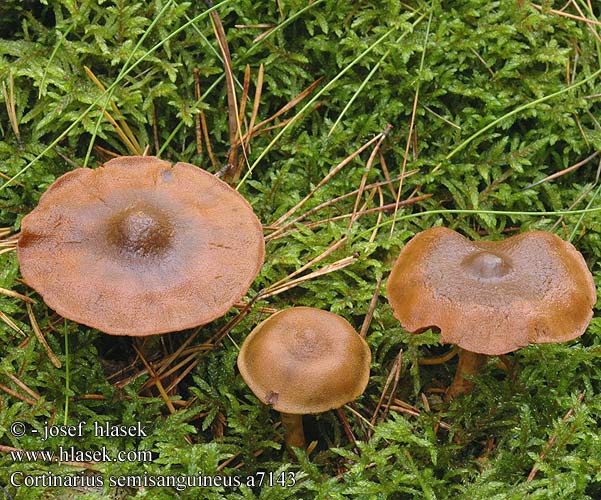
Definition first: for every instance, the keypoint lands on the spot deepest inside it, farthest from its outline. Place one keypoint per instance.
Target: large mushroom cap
(141, 246)
(492, 297)
(305, 360)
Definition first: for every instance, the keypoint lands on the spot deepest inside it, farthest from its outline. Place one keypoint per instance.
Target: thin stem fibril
(111, 87)
(51, 58)
(317, 96)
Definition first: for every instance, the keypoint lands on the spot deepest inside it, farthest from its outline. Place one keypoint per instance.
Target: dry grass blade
(203, 122)
(227, 328)
(256, 103)
(11, 323)
(197, 128)
(377, 226)
(41, 338)
(334, 266)
(564, 171)
(122, 128)
(16, 295)
(321, 256)
(232, 101)
(326, 179)
(288, 106)
(245, 88)
(23, 386)
(394, 374)
(566, 14)
(11, 110)
(156, 380)
(347, 428)
(412, 131)
(326, 204)
(402, 407)
(368, 165)
(553, 439)
(188, 354)
(383, 208)
(370, 310)
(15, 394)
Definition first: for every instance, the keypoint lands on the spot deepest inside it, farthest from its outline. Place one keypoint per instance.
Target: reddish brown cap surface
(305, 360)
(141, 246)
(492, 297)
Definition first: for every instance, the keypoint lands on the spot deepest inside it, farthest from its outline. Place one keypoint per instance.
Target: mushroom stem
(294, 435)
(469, 364)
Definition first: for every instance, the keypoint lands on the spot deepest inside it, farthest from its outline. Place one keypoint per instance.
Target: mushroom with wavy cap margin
(140, 246)
(491, 297)
(304, 360)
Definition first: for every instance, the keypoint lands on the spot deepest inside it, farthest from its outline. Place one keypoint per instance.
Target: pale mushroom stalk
(294, 434)
(470, 364)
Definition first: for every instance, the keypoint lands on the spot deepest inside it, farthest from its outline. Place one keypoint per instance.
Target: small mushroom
(491, 297)
(140, 246)
(304, 360)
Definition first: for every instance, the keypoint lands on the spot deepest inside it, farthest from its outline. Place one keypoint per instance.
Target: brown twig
(23, 386)
(11, 323)
(16, 295)
(11, 110)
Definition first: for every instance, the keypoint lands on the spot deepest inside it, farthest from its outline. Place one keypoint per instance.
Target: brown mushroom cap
(305, 360)
(492, 297)
(141, 246)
